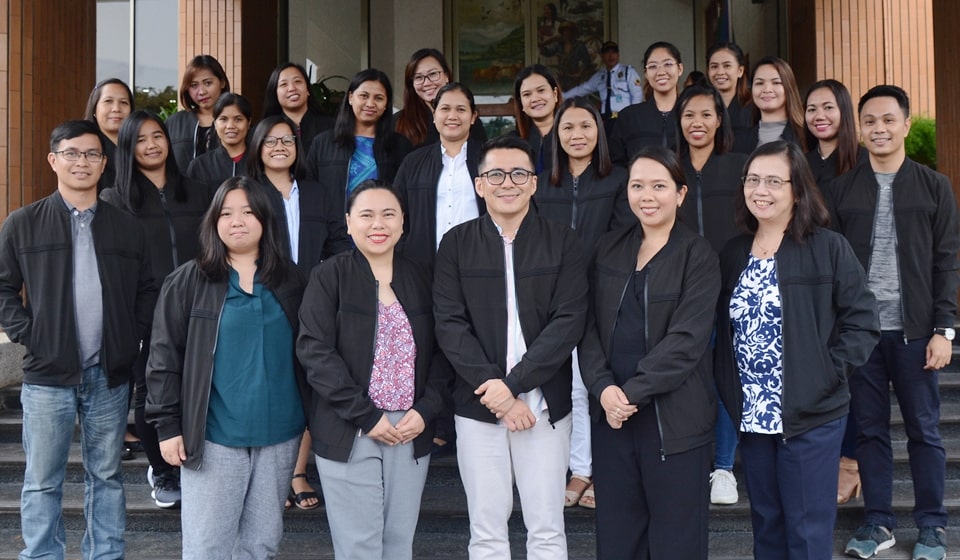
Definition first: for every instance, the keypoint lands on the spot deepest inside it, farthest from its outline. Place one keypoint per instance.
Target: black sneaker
(869, 540)
(166, 489)
(931, 544)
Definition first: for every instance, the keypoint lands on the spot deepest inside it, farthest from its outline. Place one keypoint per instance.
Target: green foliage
(163, 103)
(328, 97)
(498, 126)
(921, 143)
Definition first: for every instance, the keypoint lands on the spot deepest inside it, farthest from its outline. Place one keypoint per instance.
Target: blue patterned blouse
(755, 312)
(363, 165)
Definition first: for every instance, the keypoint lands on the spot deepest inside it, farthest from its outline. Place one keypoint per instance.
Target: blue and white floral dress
(755, 314)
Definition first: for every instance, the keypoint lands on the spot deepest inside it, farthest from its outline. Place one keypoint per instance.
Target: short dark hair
(809, 211)
(213, 259)
(198, 63)
(369, 185)
(887, 90)
(506, 142)
(455, 86)
(255, 168)
(73, 129)
(90, 113)
(233, 100)
(601, 152)
(664, 157)
(271, 103)
(723, 139)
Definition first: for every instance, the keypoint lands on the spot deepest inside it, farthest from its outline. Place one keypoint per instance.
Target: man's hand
(497, 397)
(939, 352)
(519, 417)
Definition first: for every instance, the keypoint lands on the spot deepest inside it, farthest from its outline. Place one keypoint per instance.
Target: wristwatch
(946, 333)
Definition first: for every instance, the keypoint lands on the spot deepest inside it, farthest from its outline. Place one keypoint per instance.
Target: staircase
(443, 531)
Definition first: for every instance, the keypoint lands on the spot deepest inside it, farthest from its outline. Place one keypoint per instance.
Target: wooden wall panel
(946, 14)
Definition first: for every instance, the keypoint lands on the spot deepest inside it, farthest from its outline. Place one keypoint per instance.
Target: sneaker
(931, 545)
(869, 540)
(723, 488)
(166, 490)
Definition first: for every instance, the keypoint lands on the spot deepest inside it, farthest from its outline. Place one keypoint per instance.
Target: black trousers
(648, 506)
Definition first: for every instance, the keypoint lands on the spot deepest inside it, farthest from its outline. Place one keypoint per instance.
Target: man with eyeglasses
(510, 305)
(901, 220)
(89, 288)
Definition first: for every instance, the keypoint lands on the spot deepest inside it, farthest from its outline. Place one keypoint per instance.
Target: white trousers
(581, 459)
(490, 458)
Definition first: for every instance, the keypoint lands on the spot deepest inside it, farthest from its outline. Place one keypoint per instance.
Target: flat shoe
(589, 499)
(298, 499)
(572, 497)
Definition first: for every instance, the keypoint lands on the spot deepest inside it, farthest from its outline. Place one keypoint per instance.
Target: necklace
(764, 252)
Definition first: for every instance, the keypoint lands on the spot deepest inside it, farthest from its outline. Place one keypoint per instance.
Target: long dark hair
(524, 122)
(271, 103)
(255, 168)
(601, 152)
(416, 117)
(128, 186)
(723, 139)
(847, 144)
(793, 104)
(344, 131)
(90, 113)
(809, 210)
(201, 62)
(213, 259)
(674, 52)
(743, 82)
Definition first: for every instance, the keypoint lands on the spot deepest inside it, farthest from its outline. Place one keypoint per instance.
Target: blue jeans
(726, 435)
(49, 415)
(918, 394)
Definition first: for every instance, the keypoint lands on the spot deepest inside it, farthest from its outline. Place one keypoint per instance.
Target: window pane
(113, 39)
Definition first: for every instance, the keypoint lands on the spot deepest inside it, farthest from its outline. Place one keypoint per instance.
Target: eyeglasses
(667, 66)
(93, 156)
(432, 76)
(286, 140)
(772, 183)
(496, 177)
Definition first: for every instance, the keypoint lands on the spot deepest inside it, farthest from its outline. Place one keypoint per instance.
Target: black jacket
(109, 177)
(680, 293)
(311, 125)
(172, 226)
(925, 216)
(741, 116)
(216, 166)
(328, 162)
(186, 324)
(336, 345)
(825, 170)
(708, 207)
(417, 182)
(542, 147)
(182, 127)
(323, 232)
(470, 306)
(36, 254)
(596, 206)
(745, 140)
(640, 125)
(830, 326)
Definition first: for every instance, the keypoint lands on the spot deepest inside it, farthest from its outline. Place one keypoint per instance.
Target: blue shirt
(254, 400)
(363, 165)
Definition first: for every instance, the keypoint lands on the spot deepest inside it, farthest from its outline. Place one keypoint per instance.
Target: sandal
(589, 499)
(298, 499)
(571, 497)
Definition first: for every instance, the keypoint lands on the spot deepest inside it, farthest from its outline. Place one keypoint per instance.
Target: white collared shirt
(292, 208)
(456, 198)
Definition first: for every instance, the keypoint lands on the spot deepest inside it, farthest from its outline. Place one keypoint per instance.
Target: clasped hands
(616, 406)
(499, 399)
(409, 427)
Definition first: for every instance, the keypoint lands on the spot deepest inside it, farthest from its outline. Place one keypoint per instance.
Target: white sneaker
(723, 488)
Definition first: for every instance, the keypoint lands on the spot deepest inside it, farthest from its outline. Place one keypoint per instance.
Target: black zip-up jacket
(328, 162)
(36, 254)
(172, 226)
(925, 217)
(186, 324)
(709, 206)
(323, 232)
(182, 127)
(596, 206)
(825, 170)
(741, 116)
(746, 139)
(470, 305)
(542, 146)
(311, 125)
(680, 294)
(416, 182)
(338, 333)
(830, 326)
(640, 125)
(216, 166)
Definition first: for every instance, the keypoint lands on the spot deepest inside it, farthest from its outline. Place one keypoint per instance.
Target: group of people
(564, 304)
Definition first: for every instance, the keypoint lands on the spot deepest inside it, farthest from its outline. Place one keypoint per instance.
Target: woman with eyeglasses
(777, 106)
(727, 71)
(288, 93)
(645, 363)
(231, 117)
(795, 317)
(362, 145)
(170, 207)
(191, 130)
(109, 104)
(226, 392)
(536, 96)
(426, 73)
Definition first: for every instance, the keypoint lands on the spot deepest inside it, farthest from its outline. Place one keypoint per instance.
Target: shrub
(921, 143)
